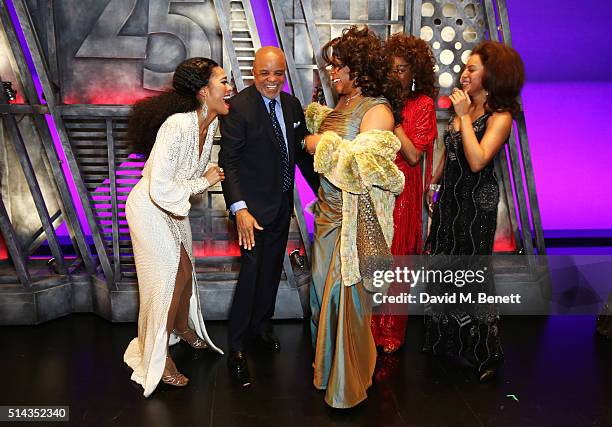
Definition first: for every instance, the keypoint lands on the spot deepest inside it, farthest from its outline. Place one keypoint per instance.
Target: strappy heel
(190, 337)
(175, 378)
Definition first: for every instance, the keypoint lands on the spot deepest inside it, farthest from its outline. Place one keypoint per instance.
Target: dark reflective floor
(557, 368)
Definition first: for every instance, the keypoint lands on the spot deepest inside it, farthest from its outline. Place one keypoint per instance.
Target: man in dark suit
(260, 146)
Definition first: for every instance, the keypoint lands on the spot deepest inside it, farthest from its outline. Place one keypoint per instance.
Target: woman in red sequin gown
(413, 65)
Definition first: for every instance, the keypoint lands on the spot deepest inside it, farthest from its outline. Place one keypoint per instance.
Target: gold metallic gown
(345, 354)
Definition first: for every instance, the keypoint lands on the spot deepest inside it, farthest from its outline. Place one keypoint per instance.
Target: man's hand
(245, 222)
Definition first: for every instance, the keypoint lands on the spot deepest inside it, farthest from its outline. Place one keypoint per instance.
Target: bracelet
(434, 187)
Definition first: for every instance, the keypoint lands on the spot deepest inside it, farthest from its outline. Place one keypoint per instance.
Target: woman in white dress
(176, 130)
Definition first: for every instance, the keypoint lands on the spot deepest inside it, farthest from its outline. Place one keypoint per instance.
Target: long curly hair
(150, 113)
(504, 76)
(361, 50)
(421, 62)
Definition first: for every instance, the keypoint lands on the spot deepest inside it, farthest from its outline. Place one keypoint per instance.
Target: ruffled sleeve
(420, 126)
(315, 114)
(166, 189)
(420, 122)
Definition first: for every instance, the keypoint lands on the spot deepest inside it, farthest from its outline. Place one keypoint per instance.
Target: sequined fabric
(363, 164)
(419, 124)
(372, 249)
(463, 223)
(465, 218)
(157, 213)
(604, 320)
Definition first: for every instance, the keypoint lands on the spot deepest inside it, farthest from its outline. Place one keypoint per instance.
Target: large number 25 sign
(104, 40)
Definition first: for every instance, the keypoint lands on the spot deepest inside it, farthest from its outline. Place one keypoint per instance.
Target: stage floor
(558, 369)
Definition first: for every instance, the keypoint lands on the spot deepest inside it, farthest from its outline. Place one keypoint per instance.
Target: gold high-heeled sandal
(190, 337)
(175, 378)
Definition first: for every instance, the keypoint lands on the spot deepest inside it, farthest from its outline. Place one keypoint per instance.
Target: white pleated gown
(157, 213)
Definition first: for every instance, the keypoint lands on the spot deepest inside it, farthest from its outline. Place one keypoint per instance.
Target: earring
(204, 109)
(413, 85)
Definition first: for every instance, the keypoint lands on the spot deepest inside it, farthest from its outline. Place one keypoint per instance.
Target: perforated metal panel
(452, 29)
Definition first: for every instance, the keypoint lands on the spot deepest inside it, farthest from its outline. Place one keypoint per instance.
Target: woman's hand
(311, 142)
(399, 131)
(461, 102)
(214, 175)
(429, 199)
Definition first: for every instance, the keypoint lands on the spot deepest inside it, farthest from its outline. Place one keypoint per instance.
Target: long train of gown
(345, 354)
(157, 213)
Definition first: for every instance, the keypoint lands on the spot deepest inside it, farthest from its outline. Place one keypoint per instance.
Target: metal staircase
(238, 25)
(244, 36)
(216, 273)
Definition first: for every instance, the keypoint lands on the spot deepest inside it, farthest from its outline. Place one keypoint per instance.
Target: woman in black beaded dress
(465, 216)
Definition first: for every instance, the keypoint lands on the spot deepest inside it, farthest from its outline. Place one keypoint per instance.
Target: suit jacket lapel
(262, 111)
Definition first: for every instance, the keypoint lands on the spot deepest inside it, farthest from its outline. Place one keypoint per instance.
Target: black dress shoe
(269, 341)
(239, 370)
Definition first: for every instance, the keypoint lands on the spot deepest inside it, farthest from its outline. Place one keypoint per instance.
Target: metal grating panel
(108, 183)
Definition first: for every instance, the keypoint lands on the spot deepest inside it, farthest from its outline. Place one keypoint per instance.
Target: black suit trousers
(260, 271)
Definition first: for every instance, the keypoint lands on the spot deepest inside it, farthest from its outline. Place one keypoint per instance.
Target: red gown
(419, 124)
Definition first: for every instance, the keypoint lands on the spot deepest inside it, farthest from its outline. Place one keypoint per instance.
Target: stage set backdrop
(78, 65)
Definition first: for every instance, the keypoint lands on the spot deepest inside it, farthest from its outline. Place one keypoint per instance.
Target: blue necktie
(280, 140)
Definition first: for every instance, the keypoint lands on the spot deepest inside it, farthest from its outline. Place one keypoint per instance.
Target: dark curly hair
(420, 59)
(150, 113)
(504, 76)
(361, 50)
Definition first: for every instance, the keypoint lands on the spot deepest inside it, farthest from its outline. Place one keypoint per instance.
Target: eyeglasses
(335, 66)
(400, 69)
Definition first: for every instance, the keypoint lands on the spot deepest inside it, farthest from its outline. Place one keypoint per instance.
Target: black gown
(461, 238)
